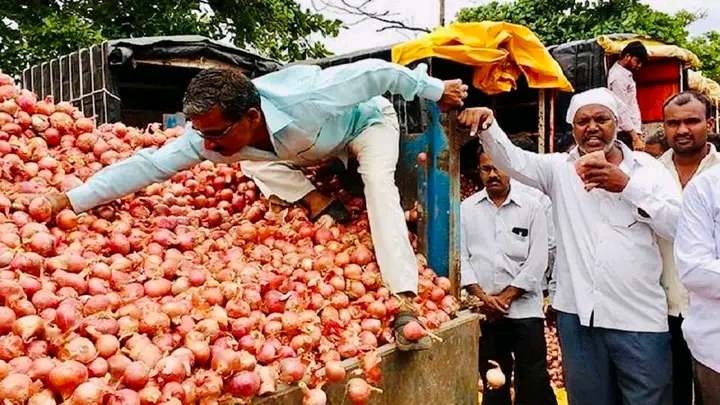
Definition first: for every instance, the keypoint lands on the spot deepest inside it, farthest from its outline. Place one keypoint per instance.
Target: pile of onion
(190, 291)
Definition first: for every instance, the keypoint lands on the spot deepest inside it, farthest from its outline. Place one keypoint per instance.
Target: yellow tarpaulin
(704, 85)
(655, 49)
(499, 51)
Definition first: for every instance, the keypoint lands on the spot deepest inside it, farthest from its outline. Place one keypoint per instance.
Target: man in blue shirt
(295, 117)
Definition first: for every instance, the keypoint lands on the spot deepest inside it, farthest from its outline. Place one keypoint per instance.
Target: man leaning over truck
(297, 116)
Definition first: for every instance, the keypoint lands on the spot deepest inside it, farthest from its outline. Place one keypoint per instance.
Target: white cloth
(599, 95)
(697, 254)
(622, 84)
(281, 179)
(506, 246)
(677, 295)
(608, 264)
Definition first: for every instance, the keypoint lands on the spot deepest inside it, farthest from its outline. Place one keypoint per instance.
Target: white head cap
(601, 96)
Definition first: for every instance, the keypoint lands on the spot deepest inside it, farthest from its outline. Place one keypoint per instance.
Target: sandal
(336, 210)
(401, 319)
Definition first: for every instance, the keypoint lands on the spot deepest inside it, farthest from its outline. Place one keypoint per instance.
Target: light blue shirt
(311, 114)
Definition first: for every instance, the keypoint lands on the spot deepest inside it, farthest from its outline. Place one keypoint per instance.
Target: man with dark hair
(504, 252)
(687, 119)
(296, 117)
(621, 82)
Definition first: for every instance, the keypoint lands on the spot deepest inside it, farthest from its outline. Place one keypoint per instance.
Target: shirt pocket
(517, 246)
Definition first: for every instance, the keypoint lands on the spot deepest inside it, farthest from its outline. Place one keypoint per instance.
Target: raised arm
(339, 87)
(526, 167)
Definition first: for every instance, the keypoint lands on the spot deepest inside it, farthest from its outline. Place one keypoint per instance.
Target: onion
(28, 326)
(136, 375)
(495, 377)
(291, 370)
(245, 384)
(413, 331)
(67, 376)
(98, 367)
(125, 396)
(7, 319)
(359, 391)
(40, 209)
(17, 388)
(80, 349)
(334, 371)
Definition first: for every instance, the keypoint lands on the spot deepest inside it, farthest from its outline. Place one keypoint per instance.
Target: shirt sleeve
(526, 167)
(656, 198)
(467, 275)
(145, 167)
(552, 247)
(336, 88)
(533, 268)
(697, 261)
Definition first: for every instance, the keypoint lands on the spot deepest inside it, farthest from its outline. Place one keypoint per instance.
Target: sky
(425, 13)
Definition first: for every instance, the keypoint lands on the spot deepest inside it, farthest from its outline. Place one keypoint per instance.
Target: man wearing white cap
(610, 205)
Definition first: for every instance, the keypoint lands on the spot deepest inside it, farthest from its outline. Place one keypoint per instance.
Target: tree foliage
(36, 30)
(559, 21)
(707, 48)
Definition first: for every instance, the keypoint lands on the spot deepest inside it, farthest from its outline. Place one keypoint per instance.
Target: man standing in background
(687, 119)
(504, 254)
(622, 83)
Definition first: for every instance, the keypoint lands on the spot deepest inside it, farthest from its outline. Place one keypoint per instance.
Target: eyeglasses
(217, 134)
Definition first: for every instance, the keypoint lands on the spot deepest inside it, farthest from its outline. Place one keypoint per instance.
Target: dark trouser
(682, 365)
(707, 381)
(611, 367)
(525, 339)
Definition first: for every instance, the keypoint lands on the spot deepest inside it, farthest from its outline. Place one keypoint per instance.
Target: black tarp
(122, 52)
(106, 82)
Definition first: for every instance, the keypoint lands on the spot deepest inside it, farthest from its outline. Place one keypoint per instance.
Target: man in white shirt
(612, 310)
(687, 122)
(697, 255)
(622, 83)
(504, 254)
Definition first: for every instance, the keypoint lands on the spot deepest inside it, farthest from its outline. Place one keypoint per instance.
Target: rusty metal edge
(463, 317)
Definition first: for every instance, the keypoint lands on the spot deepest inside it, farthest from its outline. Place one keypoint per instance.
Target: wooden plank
(445, 374)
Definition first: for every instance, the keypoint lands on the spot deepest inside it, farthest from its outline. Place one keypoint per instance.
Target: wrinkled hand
(58, 202)
(493, 303)
(453, 95)
(605, 175)
(476, 118)
(508, 295)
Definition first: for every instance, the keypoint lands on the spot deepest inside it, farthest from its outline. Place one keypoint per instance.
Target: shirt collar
(275, 119)
(623, 69)
(513, 196)
(667, 157)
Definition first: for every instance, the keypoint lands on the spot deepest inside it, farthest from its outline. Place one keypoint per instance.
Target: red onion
(67, 376)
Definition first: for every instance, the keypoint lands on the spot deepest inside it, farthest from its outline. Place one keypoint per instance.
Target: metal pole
(442, 12)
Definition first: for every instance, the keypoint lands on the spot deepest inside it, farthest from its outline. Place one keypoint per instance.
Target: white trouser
(279, 179)
(376, 149)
